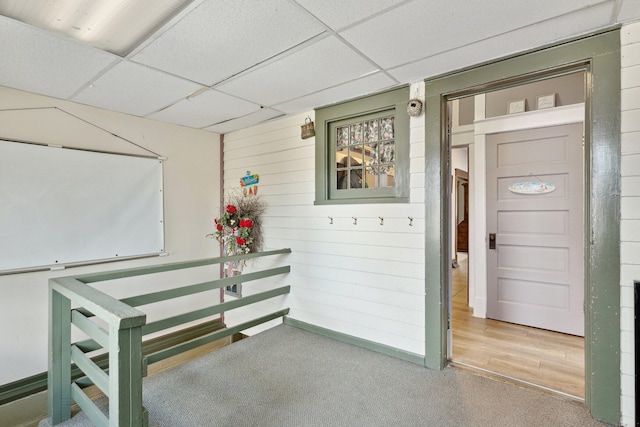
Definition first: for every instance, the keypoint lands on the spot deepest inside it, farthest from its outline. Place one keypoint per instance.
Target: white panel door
(535, 267)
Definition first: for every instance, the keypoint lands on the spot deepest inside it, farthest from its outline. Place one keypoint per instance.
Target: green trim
(394, 99)
(202, 287)
(95, 373)
(140, 271)
(169, 322)
(358, 342)
(362, 201)
(59, 372)
(88, 406)
(109, 309)
(31, 385)
(599, 55)
(160, 355)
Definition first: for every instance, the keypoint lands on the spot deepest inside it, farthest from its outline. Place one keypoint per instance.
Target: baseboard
(37, 383)
(359, 342)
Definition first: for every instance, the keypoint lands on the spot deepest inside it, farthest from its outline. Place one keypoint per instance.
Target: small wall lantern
(414, 107)
(307, 129)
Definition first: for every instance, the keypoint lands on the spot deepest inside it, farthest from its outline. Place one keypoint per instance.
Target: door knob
(492, 240)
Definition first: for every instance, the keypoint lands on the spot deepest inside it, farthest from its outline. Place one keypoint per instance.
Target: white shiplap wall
(364, 279)
(630, 210)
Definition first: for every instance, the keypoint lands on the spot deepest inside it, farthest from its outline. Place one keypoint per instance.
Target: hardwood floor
(544, 358)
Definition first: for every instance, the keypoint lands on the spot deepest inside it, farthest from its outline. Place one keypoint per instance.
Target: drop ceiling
(223, 65)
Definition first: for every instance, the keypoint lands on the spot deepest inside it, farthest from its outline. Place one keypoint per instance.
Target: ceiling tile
(325, 63)
(338, 14)
(205, 109)
(135, 89)
(362, 86)
(629, 11)
(116, 26)
(36, 61)
(221, 38)
(244, 122)
(553, 30)
(431, 27)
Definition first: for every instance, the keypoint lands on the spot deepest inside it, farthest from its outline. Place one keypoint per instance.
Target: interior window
(365, 151)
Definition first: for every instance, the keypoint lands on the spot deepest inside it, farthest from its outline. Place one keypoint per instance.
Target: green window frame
(356, 166)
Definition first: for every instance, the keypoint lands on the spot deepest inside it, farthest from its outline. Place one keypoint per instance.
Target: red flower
(246, 223)
(240, 241)
(231, 209)
(219, 227)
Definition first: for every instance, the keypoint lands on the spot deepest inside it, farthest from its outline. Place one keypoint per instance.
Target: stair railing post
(125, 377)
(59, 374)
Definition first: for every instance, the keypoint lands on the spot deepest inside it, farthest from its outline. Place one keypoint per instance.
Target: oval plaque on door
(531, 187)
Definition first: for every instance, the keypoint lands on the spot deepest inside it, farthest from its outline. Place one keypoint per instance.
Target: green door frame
(599, 55)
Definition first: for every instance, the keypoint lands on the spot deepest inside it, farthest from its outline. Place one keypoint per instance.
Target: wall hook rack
(355, 220)
(381, 220)
(410, 221)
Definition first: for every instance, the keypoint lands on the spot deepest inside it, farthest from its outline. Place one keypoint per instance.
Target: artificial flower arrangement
(239, 228)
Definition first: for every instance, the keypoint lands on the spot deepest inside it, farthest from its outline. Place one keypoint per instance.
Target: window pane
(373, 154)
(356, 133)
(371, 131)
(386, 128)
(388, 179)
(369, 153)
(342, 157)
(387, 152)
(370, 178)
(356, 178)
(356, 156)
(342, 182)
(342, 138)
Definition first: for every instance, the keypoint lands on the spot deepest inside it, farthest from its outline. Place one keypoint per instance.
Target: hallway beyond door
(547, 359)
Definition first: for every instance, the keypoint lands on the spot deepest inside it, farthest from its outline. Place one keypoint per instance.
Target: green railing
(120, 331)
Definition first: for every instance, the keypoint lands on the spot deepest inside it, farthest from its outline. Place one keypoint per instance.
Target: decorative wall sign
(546, 101)
(249, 184)
(518, 106)
(531, 187)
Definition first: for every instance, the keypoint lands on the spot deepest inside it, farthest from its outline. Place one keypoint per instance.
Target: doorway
(599, 57)
(506, 323)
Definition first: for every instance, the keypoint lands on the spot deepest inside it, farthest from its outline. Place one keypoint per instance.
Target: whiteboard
(62, 206)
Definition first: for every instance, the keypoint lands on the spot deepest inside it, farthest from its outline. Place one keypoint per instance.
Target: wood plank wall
(364, 279)
(630, 209)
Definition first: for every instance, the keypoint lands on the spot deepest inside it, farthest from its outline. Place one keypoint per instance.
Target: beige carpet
(289, 377)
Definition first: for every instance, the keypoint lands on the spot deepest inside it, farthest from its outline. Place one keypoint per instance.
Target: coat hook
(330, 220)
(355, 220)
(381, 220)
(410, 221)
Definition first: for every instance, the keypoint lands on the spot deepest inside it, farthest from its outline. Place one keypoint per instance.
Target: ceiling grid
(229, 64)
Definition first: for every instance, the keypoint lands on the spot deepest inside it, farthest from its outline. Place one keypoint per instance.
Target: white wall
(364, 280)
(191, 194)
(630, 205)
